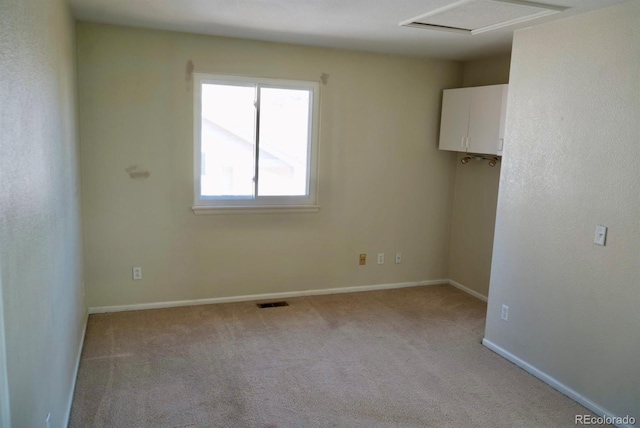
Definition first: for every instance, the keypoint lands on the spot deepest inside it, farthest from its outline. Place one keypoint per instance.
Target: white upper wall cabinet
(473, 119)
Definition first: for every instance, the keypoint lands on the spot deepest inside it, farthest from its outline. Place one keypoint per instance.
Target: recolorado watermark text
(601, 420)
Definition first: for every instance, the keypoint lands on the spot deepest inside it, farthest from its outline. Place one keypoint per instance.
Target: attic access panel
(478, 16)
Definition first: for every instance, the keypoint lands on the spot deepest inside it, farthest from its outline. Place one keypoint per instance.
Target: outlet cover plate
(362, 259)
(505, 313)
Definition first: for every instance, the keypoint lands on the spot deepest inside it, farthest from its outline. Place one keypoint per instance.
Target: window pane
(228, 141)
(284, 138)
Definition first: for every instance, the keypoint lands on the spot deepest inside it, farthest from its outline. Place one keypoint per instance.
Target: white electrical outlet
(505, 313)
(137, 273)
(380, 258)
(601, 235)
(398, 258)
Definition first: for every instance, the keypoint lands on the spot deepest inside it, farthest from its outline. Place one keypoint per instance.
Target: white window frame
(217, 205)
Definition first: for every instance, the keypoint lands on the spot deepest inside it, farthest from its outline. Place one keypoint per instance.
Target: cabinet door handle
(467, 145)
(500, 144)
(462, 142)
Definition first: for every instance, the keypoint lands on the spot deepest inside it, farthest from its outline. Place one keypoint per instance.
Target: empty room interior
(281, 213)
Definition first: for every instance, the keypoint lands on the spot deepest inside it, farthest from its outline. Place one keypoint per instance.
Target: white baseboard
(268, 296)
(554, 383)
(75, 372)
(468, 290)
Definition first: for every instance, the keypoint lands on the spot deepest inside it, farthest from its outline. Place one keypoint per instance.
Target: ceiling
(366, 25)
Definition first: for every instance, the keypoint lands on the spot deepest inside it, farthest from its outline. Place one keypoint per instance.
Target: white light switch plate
(601, 235)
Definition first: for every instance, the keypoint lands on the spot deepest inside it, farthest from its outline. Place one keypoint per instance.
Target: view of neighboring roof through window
(256, 143)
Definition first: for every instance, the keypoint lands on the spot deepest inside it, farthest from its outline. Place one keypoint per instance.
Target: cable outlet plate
(601, 235)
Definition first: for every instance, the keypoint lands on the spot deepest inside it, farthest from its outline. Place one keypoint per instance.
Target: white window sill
(255, 209)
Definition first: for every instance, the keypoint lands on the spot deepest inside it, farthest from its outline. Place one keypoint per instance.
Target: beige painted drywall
(487, 71)
(571, 162)
(40, 233)
(384, 185)
(476, 196)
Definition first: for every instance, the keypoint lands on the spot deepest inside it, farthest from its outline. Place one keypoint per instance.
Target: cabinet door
(454, 123)
(485, 119)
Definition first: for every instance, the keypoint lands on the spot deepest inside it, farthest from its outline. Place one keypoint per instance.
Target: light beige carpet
(398, 358)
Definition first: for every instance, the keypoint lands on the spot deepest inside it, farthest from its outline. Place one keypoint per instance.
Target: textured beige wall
(488, 71)
(476, 196)
(40, 235)
(570, 163)
(384, 185)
